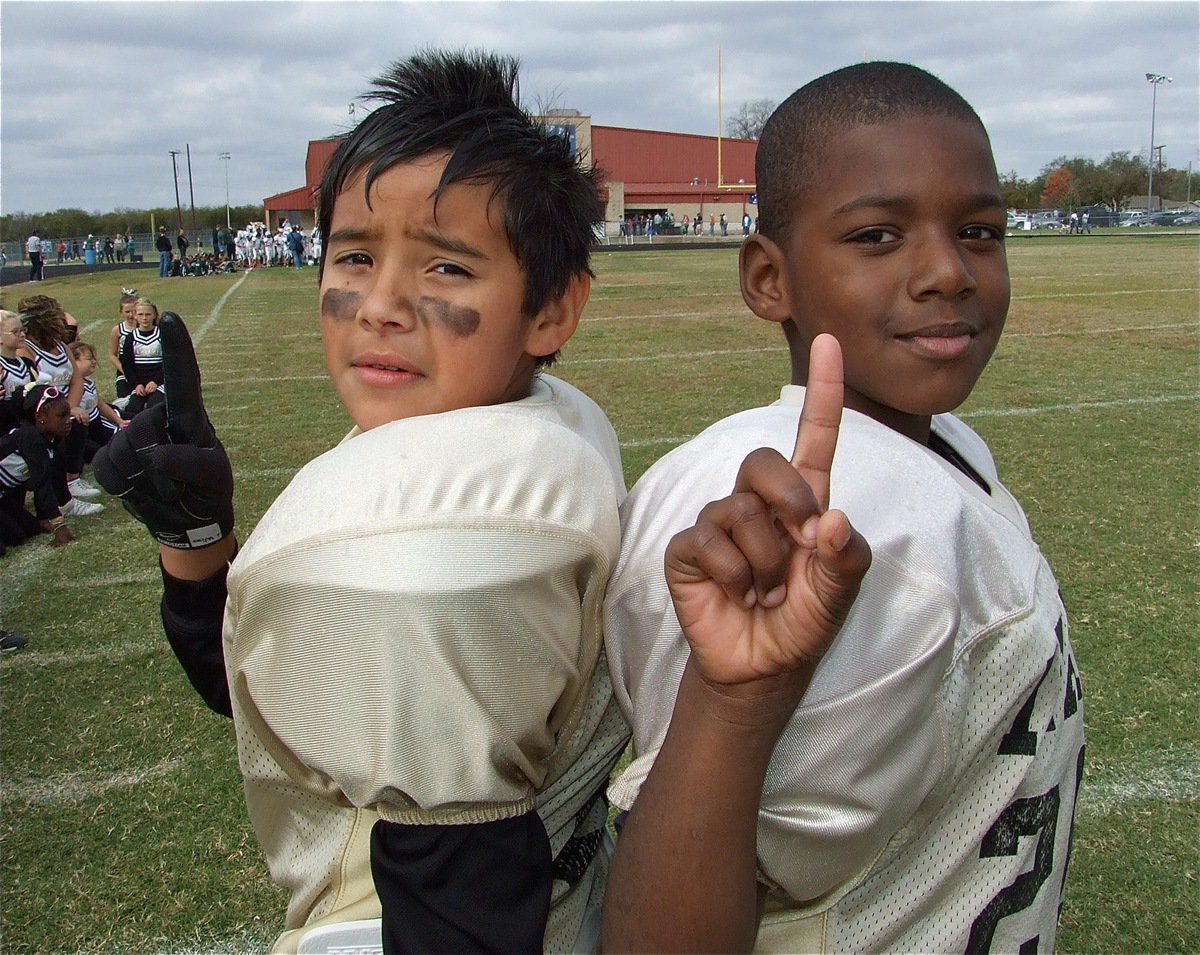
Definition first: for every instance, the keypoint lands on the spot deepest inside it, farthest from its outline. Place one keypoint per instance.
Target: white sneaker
(78, 508)
(81, 488)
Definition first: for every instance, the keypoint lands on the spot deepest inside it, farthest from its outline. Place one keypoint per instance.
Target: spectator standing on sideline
(181, 241)
(295, 244)
(33, 250)
(163, 244)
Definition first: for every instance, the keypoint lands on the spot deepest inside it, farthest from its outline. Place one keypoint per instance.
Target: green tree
(1018, 193)
(1120, 176)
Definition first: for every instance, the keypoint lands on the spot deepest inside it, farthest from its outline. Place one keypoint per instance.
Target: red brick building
(644, 172)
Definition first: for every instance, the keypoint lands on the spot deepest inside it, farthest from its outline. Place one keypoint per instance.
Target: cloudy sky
(93, 96)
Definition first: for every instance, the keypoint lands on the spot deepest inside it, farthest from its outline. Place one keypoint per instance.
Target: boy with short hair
(910, 785)
(412, 641)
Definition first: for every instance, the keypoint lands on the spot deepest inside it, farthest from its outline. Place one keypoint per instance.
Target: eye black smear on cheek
(457, 320)
(339, 303)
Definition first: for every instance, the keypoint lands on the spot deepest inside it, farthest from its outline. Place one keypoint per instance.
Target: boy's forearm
(200, 563)
(683, 878)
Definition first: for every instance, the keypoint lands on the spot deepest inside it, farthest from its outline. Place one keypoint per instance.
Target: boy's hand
(167, 465)
(764, 579)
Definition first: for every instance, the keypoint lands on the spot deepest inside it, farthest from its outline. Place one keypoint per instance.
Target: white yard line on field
(82, 785)
(1054, 333)
(211, 320)
(1131, 291)
(1076, 406)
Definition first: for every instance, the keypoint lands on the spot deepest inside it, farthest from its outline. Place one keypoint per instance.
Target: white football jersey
(921, 798)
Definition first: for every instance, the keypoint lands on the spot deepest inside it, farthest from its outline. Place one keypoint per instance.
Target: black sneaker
(12, 641)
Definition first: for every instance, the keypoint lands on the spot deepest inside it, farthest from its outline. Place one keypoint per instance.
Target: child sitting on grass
(28, 466)
(141, 358)
(16, 371)
(103, 419)
(127, 305)
(412, 644)
(909, 786)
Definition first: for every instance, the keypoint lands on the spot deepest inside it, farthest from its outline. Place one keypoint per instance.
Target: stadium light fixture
(225, 158)
(1155, 80)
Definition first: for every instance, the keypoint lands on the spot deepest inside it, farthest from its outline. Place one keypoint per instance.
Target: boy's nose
(388, 304)
(941, 270)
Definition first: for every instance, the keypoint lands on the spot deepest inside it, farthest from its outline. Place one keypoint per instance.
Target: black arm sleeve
(470, 888)
(32, 447)
(192, 614)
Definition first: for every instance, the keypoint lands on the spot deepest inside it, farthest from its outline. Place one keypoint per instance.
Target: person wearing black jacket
(163, 245)
(27, 463)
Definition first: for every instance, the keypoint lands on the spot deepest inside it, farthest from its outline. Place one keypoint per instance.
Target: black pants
(17, 525)
(138, 403)
(35, 266)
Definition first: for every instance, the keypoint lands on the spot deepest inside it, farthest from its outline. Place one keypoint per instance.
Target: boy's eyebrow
(979, 201)
(449, 243)
(434, 237)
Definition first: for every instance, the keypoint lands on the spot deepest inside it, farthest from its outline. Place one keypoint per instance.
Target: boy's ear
(550, 328)
(763, 277)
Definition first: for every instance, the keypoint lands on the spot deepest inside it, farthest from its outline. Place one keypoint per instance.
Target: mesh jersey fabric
(889, 785)
(413, 632)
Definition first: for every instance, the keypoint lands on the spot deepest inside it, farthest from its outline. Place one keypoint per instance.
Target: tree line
(1069, 183)
(76, 223)
(1064, 183)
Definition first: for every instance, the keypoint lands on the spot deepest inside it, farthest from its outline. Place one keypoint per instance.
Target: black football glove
(167, 466)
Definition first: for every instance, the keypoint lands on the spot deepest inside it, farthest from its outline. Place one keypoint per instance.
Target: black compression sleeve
(192, 614)
(469, 888)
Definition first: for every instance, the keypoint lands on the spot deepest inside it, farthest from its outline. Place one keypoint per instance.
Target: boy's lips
(384, 369)
(944, 341)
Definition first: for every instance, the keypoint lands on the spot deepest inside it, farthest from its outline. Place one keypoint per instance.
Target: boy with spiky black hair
(832, 758)
(412, 648)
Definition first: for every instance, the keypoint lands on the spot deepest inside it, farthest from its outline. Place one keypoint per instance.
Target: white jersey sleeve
(883, 808)
(413, 632)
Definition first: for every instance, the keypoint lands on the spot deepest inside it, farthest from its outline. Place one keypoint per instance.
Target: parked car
(1188, 218)
(1132, 219)
(1162, 218)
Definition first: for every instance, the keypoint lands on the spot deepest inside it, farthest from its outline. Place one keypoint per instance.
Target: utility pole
(175, 172)
(225, 157)
(191, 192)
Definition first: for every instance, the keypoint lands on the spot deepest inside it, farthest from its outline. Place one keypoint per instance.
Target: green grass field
(122, 826)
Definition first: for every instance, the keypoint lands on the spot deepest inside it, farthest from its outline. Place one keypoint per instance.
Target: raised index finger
(817, 433)
(187, 422)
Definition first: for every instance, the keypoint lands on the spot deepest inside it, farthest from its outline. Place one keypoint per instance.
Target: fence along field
(123, 825)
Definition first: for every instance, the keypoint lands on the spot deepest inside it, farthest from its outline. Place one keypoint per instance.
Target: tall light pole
(1154, 79)
(225, 157)
(175, 172)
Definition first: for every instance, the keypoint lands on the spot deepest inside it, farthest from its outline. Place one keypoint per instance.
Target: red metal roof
(647, 156)
(654, 166)
(303, 198)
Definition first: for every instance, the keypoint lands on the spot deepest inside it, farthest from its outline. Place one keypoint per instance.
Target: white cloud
(95, 94)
